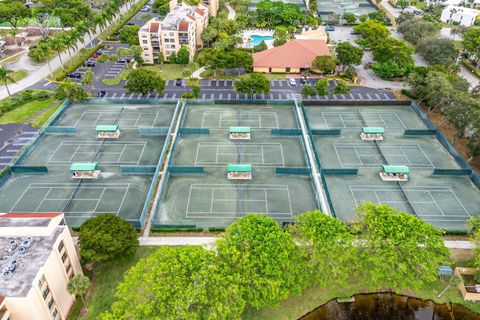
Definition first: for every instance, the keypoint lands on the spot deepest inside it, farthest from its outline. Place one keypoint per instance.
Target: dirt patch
(462, 255)
(448, 130)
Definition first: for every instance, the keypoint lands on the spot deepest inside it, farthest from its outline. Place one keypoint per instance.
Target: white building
(460, 3)
(37, 259)
(464, 16)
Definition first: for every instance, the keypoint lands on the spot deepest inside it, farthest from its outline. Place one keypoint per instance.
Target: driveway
(370, 79)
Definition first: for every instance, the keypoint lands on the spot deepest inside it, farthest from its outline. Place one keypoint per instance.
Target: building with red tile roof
(292, 57)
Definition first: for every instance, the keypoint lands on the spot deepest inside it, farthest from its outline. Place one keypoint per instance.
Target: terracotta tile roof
(191, 17)
(154, 27)
(183, 25)
(9, 40)
(32, 32)
(293, 54)
(200, 12)
(37, 215)
(1, 299)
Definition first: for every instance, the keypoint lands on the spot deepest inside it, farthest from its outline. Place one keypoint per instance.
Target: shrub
(85, 57)
(188, 95)
(174, 229)
(309, 91)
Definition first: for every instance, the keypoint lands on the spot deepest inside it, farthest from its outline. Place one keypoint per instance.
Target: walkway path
(44, 70)
(199, 241)
(231, 12)
(198, 72)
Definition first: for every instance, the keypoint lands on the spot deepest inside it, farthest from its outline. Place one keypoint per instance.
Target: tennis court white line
(427, 189)
(55, 185)
(212, 187)
(223, 114)
(378, 114)
(123, 117)
(357, 146)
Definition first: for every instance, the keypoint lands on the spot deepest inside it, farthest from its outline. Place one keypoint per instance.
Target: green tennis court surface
(114, 192)
(210, 199)
(445, 201)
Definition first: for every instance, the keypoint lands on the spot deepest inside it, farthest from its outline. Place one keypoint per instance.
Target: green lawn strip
(105, 277)
(43, 117)
(20, 114)
(17, 76)
(209, 74)
(167, 71)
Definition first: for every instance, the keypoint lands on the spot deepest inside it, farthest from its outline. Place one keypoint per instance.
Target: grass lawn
(20, 114)
(17, 76)
(208, 74)
(105, 278)
(42, 118)
(168, 71)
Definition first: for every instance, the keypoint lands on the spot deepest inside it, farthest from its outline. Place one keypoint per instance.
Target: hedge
(86, 56)
(129, 15)
(216, 229)
(168, 229)
(16, 101)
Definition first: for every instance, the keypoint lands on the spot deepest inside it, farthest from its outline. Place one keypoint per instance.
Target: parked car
(292, 81)
(354, 32)
(329, 28)
(95, 56)
(122, 60)
(150, 2)
(130, 23)
(99, 52)
(74, 75)
(416, 11)
(90, 63)
(179, 82)
(144, 9)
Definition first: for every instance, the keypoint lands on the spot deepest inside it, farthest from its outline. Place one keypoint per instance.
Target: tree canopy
(178, 283)
(253, 83)
(278, 13)
(471, 42)
(438, 51)
(70, 90)
(144, 81)
(326, 64)
(372, 31)
(106, 237)
(348, 54)
(399, 250)
(129, 35)
(266, 258)
(415, 29)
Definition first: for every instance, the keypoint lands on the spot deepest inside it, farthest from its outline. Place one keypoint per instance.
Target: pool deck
(246, 34)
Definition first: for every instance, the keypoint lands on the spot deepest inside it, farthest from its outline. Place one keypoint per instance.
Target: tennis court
(210, 199)
(114, 191)
(444, 200)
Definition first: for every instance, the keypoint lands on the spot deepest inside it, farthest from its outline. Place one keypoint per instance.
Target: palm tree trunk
(83, 301)
(8, 91)
(70, 55)
(60, 57)
(50, 68)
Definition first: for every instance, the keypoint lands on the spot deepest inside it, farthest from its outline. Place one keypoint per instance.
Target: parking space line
(369, 96)
(114, 95)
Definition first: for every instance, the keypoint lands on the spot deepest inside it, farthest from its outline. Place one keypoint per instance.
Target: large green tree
(391, 49)
(326, 64)
(278, 13)
(253, 83)
(144, 81)
(471, 42)
(13, 12)
(178, 283)
(129, 35)
(372, 31)
(70, 90)
(416, 29)
(438, 51)
(328, 246)
(398, 250)
(348, 54)
(106, 237)
(183, 55)
(266, 258)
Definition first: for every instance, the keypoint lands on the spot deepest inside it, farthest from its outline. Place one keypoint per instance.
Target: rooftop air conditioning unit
(12, 245)
(7, 275)
(26, 243)
(22, 250)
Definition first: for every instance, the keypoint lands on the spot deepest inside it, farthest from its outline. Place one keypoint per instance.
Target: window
(287, 69)
(68, 268)
(64, 256)
(41, 282)
(145, 48)
(61, 245)
(45, 292)
(54, 314)
(145, 41)
(147, 55)
(50, 303)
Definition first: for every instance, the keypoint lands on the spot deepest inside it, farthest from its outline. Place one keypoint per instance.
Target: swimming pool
(258, 39)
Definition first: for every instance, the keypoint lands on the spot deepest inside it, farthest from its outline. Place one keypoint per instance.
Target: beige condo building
(37, 260)
(183, 26)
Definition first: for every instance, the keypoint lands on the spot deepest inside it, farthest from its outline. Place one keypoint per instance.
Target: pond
(386, 306)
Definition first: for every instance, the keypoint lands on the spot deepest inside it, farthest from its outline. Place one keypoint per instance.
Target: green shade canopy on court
(373, 130)
(239, 168)
(239, 129)
(107, 128)
(395, 169)
(83, 166)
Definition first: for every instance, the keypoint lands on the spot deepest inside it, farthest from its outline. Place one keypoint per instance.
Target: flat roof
(28, 265)
(83, 166)
(240, 129)
(373, 130)
(107, 128)
(395, 169)
(239, 168)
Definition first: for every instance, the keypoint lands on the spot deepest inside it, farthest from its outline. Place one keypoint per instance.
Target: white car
(292, 81)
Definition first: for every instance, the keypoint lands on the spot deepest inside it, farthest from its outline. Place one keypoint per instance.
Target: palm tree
(5, 76)
(58, 45)
(87, 79)
(78, 286)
